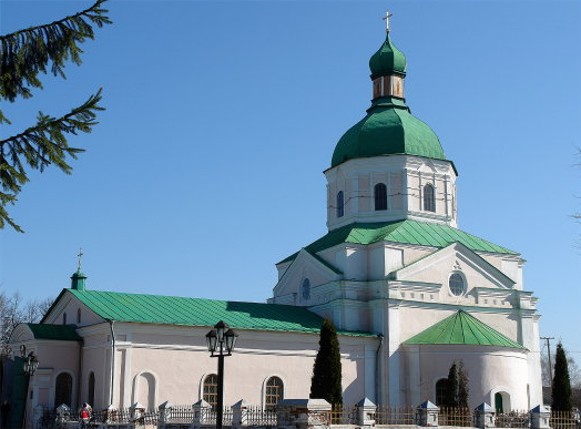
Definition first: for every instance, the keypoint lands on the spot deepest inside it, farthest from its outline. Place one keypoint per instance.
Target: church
(408, 291)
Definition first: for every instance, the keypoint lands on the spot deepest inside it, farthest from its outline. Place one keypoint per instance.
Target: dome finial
(386, 19)
(78, 279)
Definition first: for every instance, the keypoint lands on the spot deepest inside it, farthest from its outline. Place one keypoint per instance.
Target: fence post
(137, 414)
(201, 412)
(540, 417)
(110, 414)
(366, 412)
(164, 413)
(240, 414)
(63, 413)
(484, 416)
(427, 414)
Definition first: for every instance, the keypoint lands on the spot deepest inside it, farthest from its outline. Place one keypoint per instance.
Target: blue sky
(207, 166)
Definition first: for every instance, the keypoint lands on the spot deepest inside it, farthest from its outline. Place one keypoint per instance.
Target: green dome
(388, 129)
(387, 60)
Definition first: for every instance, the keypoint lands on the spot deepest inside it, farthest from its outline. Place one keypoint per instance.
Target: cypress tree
(451, 400)
(463, 388)
(457, 387)
(561, 387)
(25, 54)
(326, 380)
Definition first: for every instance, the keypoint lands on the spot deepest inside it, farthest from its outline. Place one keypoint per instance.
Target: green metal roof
(54, 332)
(174, 310)
(388, 129)
(387, 60)
(404, 232)
(462, 328)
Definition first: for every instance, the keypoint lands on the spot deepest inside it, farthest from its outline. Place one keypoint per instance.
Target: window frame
(208, 395)
(452, 288)
(380, 197)
(340, 200)
(276, 392)
(429, 198)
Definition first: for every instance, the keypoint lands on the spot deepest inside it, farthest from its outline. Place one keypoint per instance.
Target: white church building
(409, 292)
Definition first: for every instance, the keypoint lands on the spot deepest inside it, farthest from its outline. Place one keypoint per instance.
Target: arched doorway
(63, 390)
(501, 402)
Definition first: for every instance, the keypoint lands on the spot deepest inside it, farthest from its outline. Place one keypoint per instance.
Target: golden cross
(386, 19)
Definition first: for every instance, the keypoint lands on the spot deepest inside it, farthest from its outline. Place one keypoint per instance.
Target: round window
(456, 284)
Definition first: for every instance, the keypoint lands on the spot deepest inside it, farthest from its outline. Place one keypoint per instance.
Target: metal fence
(565, 420)
(513, 419)
(255, 416)
(395, 416)
(455, 417)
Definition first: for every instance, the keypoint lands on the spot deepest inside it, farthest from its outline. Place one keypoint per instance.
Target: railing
(565, 420)
(513, 419)
(455, 417)
(257, 416)
(181, 414)
(342, 416)
(395, 416)
(254, 416)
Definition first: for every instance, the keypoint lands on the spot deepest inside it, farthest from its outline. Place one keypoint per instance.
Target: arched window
(91, 392)
(64, 323)
(429, 198)
(306, 289)
(456, 284)
(78, 316)
(144, 390)
(63, 390)
(274, 393)
(340, 204)
(210, 390)
(380, 194)
(441, 390)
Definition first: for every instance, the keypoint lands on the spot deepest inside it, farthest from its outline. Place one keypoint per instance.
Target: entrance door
(498, 403)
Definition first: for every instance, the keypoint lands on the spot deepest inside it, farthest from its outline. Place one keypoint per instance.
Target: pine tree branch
(40, 146)
(26, 53)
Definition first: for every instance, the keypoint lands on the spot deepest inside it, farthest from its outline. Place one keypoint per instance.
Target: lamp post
(29, 367)
(221, 342)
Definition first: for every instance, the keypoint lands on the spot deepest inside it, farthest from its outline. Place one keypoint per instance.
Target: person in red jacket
(85, 415)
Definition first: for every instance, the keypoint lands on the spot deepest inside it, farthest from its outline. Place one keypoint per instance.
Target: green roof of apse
(174, 310)
(462, 328)
(403, 232)
(54, 332)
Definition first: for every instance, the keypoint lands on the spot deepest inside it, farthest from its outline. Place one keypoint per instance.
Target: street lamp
(30, 361)
(29, 366)
(221, 342)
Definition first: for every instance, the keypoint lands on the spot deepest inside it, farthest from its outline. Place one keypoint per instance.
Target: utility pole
(548, 340)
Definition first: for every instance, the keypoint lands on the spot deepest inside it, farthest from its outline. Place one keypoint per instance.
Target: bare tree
(13, 310)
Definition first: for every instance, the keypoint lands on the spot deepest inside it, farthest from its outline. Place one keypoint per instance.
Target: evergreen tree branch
(40, 146)
(26, 53)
